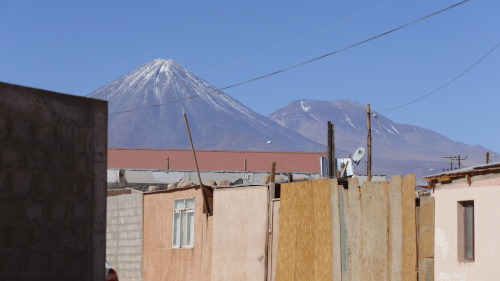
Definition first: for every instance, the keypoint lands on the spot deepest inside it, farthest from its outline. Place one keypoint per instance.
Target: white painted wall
(171, 176)
(485, 191)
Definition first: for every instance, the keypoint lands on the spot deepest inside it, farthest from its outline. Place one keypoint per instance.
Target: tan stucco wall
(485, 191)
(160, 260)
(240, 233)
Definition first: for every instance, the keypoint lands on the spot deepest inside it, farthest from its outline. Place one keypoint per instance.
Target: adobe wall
(124, 235)
(240, 233)
(52, 185)
(486, 229)
(160, 260)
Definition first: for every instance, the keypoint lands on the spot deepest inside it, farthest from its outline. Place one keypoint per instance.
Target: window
(466, 231)
(183, 223)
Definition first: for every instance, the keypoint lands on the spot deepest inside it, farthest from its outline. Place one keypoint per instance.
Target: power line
(302, 63)
(269, 30)
(447, 83)
(298, 39)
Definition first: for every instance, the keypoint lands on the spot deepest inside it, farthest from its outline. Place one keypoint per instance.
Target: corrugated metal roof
(475, 170)
(214, 160)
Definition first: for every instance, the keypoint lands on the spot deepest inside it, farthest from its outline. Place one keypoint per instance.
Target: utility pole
(205, 199)
(369, 143)
(331, 150)
(455, 158)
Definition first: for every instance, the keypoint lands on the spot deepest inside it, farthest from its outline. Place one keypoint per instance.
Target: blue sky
(76, 47)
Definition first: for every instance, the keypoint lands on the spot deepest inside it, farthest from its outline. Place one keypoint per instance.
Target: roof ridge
(224, 151)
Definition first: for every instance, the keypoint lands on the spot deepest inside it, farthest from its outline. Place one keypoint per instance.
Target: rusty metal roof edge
(474, 170)
(225, 151)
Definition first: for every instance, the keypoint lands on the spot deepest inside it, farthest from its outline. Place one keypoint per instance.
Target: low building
(140, 168)
(466, 230)
(124, 233)
(177, 236)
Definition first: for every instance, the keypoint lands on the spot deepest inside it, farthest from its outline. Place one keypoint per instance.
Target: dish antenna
(358, 154)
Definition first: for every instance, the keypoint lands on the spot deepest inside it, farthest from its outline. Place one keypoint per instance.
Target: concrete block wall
(52, 185)
(124, 235)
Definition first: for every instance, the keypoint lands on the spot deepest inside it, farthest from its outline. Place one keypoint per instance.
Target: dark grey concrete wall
(124, 235)
(52, 185)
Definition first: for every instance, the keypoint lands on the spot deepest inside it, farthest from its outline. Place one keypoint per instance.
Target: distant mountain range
(216, 121)
(397, 148)
(146, 106)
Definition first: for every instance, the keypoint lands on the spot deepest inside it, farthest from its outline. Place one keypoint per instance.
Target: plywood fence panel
(350, 199)
(409, 265)
(426, 227)
(304, 214)
(426, 269)
(287, 251)
(374, 231)
(273, 242)
(335, 218)
(322, 230)
(395, 228)
(305, 243)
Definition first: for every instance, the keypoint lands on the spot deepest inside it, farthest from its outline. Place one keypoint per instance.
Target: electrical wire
(298, 39)
(446, 84)
(267, 31)
(299, 64)
(237, 31)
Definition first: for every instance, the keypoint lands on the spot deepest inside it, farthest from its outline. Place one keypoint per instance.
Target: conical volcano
(145, 111)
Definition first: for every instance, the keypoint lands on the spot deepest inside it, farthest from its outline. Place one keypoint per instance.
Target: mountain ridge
(166, 83)
(220, 122)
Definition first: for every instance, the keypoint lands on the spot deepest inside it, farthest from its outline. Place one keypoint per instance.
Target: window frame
(466, 231)
(184, 225)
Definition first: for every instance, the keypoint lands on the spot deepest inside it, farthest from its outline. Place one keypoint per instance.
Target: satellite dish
(358, 154)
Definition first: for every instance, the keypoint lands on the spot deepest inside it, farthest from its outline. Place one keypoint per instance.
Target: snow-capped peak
(305, 107)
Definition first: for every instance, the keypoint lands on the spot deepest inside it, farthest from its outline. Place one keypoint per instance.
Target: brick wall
(52, 185)
(124, 235)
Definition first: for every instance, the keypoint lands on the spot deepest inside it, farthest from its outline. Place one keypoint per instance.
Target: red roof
(213, 160)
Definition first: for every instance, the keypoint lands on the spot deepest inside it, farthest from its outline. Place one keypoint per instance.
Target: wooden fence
(351, 233)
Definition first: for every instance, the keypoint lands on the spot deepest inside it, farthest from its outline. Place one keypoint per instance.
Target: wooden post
(345, 168)
(168, 163)
(245, 165)
(369, 143)
(205, 199)
(272, 179)
(273, 172)
(331, 150)
(487, 157)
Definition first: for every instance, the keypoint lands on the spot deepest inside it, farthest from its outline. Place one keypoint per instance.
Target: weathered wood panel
(285, 268)
(409, 265)
(322, 231)
(426, 269)
(374, 231)
(305, 239)
(240, 233)
(336, 243)
(426, 227)
(395, 228)
(354, 232)
(273, 240)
